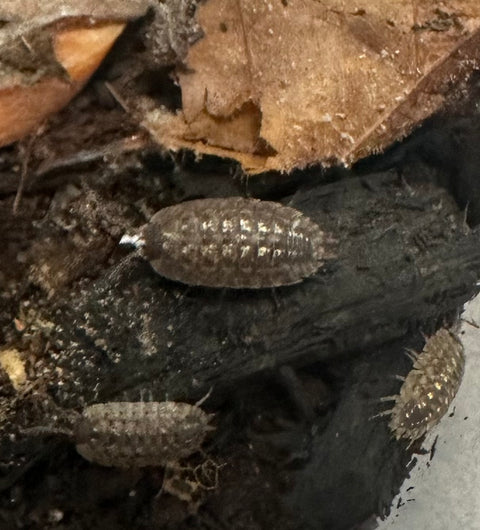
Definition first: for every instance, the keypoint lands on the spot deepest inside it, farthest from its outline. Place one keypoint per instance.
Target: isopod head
(233, 242)
(429, 388)
(139, 434)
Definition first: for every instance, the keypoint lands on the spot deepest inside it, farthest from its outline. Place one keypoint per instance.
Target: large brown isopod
(139, 434)
(233, 242)
(429, 388)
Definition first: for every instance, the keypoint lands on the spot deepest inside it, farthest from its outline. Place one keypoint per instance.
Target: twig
(25, 150)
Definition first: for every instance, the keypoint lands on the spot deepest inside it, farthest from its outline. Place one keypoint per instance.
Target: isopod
(429, 388)
(233, 242)
(139, 434)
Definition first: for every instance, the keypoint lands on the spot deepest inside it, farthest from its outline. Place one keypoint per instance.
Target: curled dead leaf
(284, 84)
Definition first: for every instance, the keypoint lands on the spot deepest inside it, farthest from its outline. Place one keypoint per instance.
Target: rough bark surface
(402, 258)
(405, 263)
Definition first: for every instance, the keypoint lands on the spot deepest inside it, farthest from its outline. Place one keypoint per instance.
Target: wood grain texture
(404, 260)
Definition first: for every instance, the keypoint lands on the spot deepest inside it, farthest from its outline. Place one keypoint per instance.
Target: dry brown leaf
(78, 51)
(48, 50)
(278, 84)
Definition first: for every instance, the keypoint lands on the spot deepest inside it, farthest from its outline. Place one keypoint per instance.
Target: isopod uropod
(138, 434)
(429, 388)
(233, 242)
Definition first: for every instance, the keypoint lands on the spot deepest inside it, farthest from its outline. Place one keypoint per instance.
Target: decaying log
(404, 258)
(404, 262)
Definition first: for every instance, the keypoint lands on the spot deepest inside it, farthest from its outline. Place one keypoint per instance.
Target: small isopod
(429, 388)
(233, 242)
(139, 434)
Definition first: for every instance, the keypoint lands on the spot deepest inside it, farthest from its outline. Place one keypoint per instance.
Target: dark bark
(403, 260)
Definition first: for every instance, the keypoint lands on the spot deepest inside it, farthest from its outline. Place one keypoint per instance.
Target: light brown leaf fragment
(77, 52)
(48, 50)
(284, 84)
(11, 361)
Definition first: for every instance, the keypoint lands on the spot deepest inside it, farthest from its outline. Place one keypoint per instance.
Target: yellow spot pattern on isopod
(429, 388)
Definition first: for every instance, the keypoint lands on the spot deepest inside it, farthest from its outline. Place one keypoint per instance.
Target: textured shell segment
(233, 242)
(138, 434)
(430, 387)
